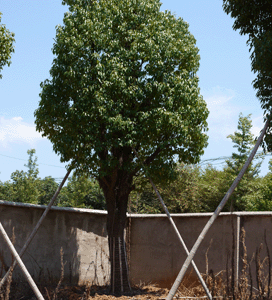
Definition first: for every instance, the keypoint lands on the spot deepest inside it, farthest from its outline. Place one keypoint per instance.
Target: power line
(27, 160)
(224, 158)
(203, 162)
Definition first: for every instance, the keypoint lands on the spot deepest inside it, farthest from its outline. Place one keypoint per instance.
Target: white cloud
(257, 125)
(16, 130)
(225, 106)
(223, 116)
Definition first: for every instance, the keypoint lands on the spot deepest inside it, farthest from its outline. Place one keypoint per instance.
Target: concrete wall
(81, 233)
(155, 253)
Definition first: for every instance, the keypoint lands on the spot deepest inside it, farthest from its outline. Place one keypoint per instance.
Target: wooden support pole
(190, 257)
(21, 264)
(237, 250)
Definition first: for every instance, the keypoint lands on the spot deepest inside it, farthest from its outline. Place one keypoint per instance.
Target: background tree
(83, 191)
(212, 187)
(254, 18)
(180, 196)
(123, 76)
(47, 188)
(244, 141)
(24, 186)
(32, 165)
(6, 46)
(262, 199)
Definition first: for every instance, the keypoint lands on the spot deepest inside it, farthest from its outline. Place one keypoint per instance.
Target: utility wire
(210, 160)
(27, 160)
(203, 162)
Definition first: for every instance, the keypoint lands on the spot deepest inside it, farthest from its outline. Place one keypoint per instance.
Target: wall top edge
(238, 213)
(68, 209)
(104, 212)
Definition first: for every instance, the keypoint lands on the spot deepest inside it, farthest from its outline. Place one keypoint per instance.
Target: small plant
(56, 291)
(223, 285)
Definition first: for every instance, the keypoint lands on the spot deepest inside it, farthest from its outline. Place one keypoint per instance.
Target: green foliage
(82, 191)
(32, 164)
(23, 186)
(254, 18)
(263, 198)
(180, 196)
(6, 46)
(47, 188)
(6, 192)
(201, 190)
(251, 17)
(213, 185)
(244, 141)
(123, 76)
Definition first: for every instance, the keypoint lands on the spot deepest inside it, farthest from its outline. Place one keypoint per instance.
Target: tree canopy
(254, 18)
(124, 75)
(6, 46)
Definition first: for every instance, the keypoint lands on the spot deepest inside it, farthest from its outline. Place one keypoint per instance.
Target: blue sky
(225, 79)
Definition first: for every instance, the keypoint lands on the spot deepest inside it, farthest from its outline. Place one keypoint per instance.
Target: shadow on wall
(82, 238)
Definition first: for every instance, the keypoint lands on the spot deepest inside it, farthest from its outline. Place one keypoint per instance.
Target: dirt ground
(101, 293)
(190, 289)
(139, 292)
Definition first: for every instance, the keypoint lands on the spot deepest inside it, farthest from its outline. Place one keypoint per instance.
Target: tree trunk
(117, 199)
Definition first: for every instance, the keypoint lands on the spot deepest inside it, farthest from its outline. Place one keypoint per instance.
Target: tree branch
(149, 159)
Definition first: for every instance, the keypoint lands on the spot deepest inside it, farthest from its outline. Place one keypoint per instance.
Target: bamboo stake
(189, 259)
(177, 232)
(33, 233)
(238, 229)
(21, 264)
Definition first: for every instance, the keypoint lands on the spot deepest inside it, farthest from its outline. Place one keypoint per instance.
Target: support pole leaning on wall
(190, 257)
(21, 264)
(33, 233)
(238, 227)
(177, 232)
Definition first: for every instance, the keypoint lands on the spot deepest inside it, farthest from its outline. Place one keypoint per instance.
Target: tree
(212, 187)
(82, 191)
(244, 141)
(123, 78)
(47, 188)
(262, 199)
(24, 186)
(180, 196)
(254, 18)
(32, 166)
(6, 46)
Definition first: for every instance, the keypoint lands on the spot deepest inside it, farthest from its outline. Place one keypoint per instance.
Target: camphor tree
(6, 45)
(123, 78)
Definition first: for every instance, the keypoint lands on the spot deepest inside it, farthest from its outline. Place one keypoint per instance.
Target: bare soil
(102, 293)
(143, 291)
